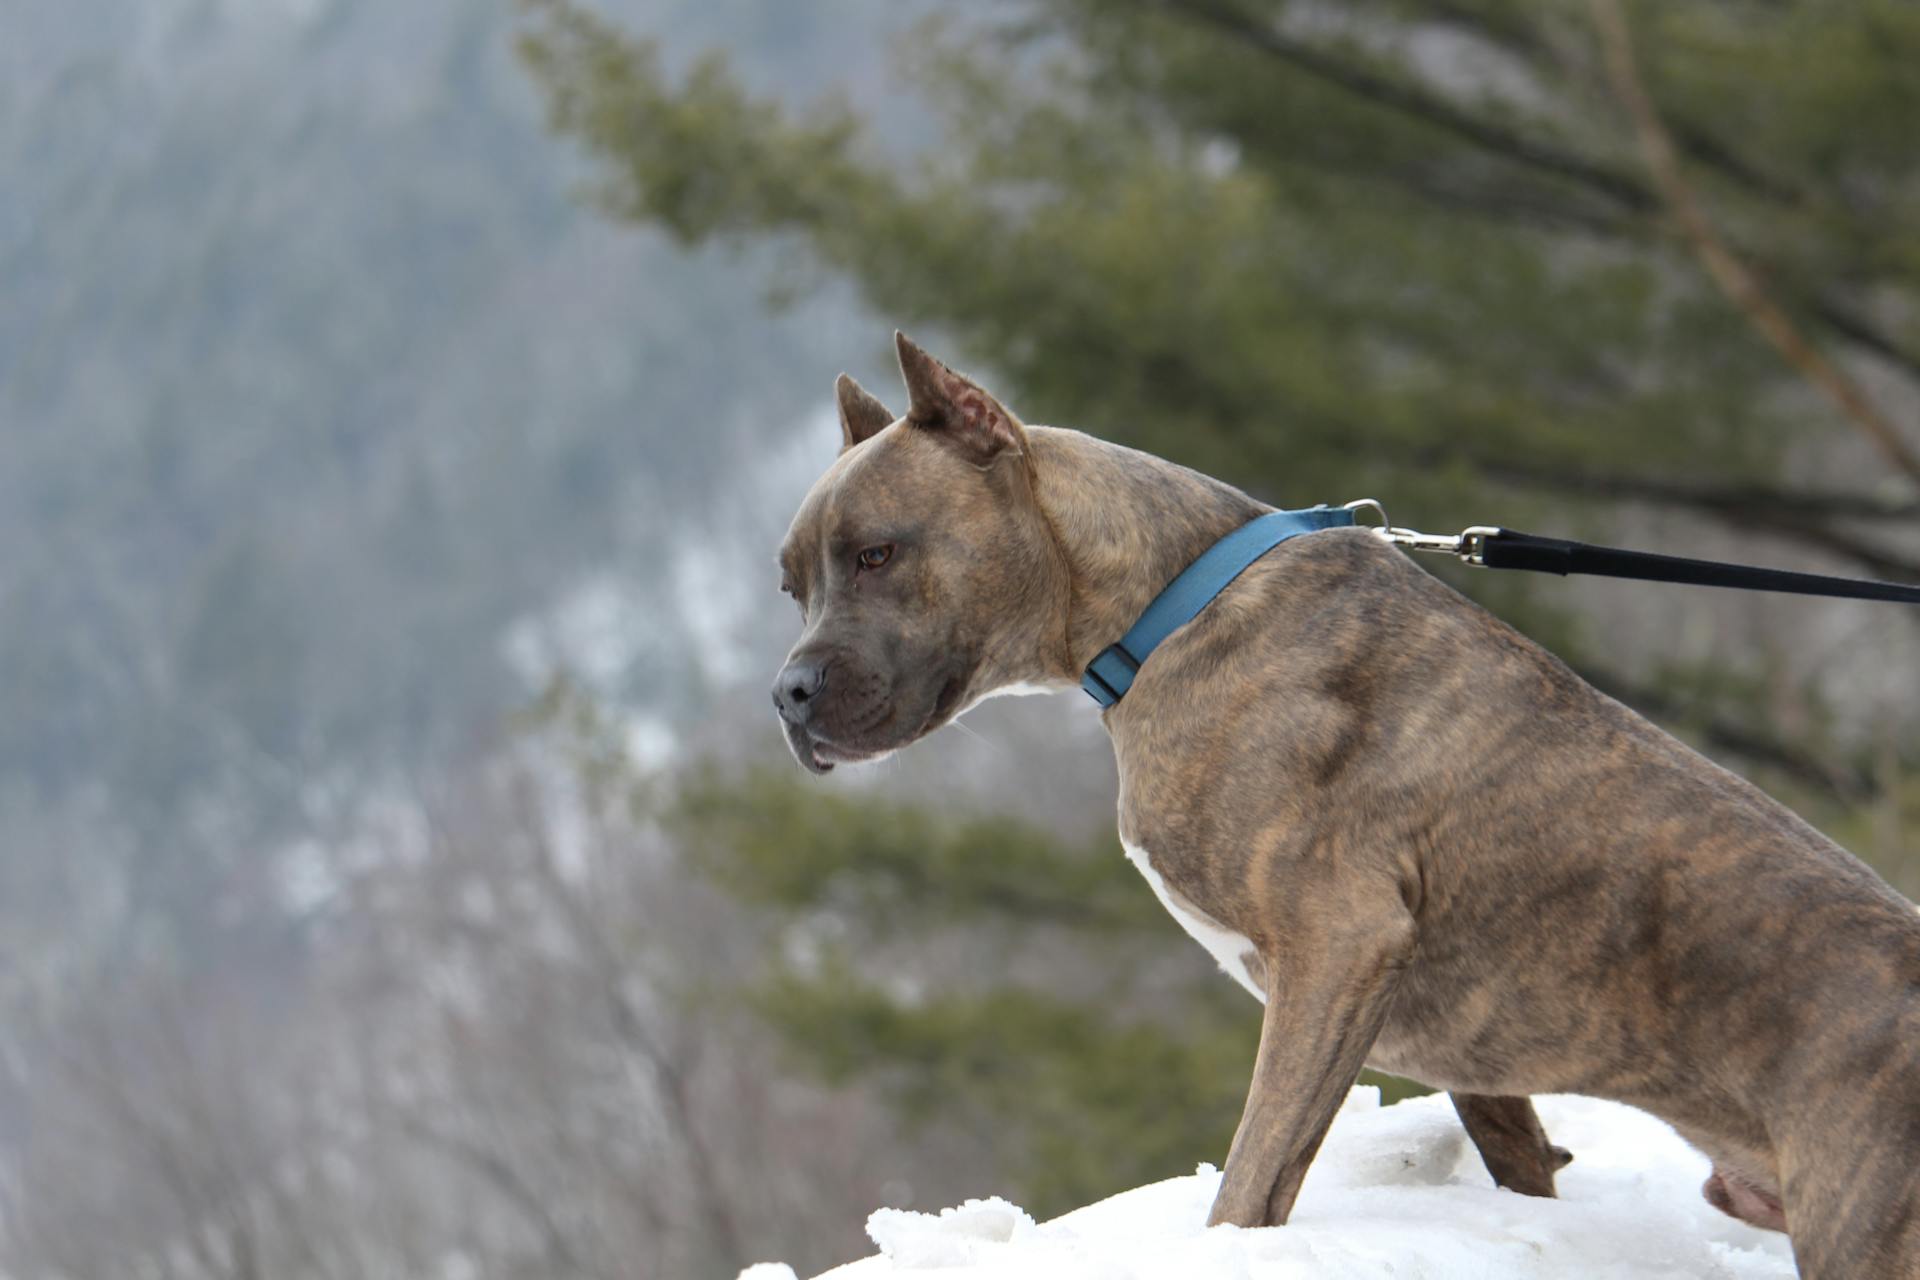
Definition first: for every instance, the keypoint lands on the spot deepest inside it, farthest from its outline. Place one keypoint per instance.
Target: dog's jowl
(1420, 839)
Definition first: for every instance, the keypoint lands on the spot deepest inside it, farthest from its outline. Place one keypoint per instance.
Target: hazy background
(399, 407)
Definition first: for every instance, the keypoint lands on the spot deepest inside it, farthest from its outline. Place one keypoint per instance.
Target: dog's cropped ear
(861, 415)
(941, 400)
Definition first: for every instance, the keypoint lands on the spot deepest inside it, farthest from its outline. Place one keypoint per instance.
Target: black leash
(1495, 548)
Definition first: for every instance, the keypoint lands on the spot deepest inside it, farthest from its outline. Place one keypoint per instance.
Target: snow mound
(1395, 1192)
(916, 1241)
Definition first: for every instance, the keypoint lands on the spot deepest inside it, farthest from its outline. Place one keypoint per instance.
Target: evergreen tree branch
(1732, 276)
(1519, 37)
(650, 185)
(1741, 499)
(1416, 104)
(1495, 139)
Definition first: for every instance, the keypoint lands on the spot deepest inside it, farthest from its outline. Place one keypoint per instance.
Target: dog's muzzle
(798, 689)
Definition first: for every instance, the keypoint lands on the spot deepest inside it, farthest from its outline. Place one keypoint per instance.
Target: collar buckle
(1110, 674)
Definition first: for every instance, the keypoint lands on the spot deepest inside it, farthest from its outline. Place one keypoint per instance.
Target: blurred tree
(314, 386)
(905, 948)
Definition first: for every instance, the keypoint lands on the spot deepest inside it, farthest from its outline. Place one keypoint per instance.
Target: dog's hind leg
(1511, 1142)
(1850, 1197)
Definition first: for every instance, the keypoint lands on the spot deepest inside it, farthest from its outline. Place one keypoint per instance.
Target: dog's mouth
(820, 754)
(942, 706)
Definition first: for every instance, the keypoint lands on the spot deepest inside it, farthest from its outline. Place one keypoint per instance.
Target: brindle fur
(1452, 858)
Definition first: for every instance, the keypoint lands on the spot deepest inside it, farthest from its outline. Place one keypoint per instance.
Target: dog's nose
(798, 687)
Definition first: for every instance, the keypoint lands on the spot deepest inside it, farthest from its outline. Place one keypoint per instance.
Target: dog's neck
(1126, 524)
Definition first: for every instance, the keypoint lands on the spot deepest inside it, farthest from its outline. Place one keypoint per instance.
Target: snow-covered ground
(1396, 1192)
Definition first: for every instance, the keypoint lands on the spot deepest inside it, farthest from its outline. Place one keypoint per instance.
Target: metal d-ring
(1385, 527)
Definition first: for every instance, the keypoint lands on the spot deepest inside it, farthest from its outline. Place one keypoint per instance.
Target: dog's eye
(874, 557)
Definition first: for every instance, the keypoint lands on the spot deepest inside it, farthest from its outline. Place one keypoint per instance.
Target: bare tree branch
(670, 1077)
(503, 1177)
(1875, 560)
(1849, 325)
(1735, 279)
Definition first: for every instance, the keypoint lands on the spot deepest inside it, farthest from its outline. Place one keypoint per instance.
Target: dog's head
(923, 567)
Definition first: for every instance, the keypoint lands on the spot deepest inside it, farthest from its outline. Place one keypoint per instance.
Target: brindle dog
(1419, 838)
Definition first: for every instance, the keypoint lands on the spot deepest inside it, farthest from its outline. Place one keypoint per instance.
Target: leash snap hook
(1470, 544)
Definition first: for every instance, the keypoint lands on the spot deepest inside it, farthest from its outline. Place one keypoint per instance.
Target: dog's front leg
(1328, 992)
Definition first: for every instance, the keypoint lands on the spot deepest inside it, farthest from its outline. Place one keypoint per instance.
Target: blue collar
(1110, 675)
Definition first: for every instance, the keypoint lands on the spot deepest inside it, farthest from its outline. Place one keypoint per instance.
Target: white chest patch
(1228, 948)
(1024, 689)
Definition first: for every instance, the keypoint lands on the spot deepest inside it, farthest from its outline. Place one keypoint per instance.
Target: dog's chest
(1230, 949)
